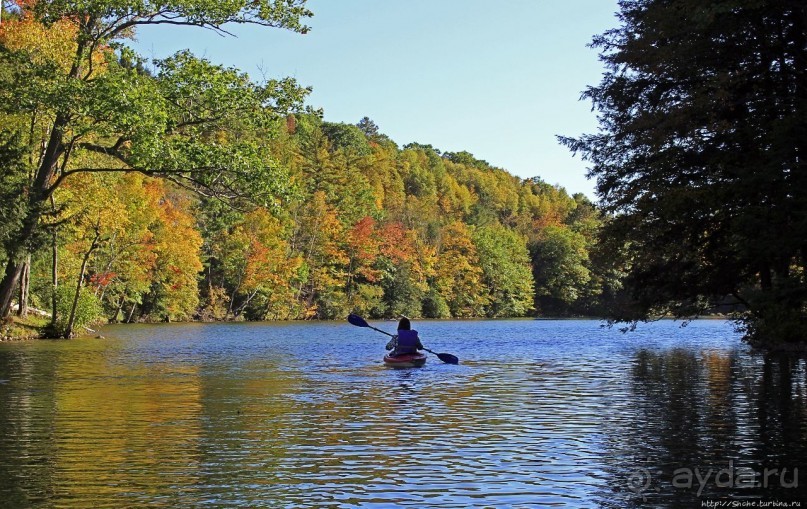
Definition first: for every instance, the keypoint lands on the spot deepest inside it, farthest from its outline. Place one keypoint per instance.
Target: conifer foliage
(701, 159)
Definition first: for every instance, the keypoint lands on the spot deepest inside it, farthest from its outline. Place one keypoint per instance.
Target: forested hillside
(178, 189)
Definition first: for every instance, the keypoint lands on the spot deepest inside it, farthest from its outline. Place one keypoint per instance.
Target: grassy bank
(15, 328)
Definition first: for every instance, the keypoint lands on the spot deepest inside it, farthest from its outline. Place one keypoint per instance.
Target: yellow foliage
(52, 45)
(55, 44)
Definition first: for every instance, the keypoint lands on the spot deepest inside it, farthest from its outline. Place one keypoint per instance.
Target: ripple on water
(538, 414)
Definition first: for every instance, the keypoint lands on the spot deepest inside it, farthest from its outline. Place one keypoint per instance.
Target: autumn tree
(320, 240)
(403, 275)
(364, 247)
(458, 276)
(126, 261)
(215, 197)
(193, 122)
(256, 261)
(174, 292)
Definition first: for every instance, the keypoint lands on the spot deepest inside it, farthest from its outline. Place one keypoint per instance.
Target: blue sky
(498, 79)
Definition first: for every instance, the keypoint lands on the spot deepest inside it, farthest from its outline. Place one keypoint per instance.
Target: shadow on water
(709, 426)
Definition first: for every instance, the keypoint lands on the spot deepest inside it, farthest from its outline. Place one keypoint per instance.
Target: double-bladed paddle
(361, 322)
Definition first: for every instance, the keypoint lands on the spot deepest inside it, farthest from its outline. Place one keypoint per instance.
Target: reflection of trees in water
(85, 426)
(719, 410)
(782, 410)
(27, 409)
(76, 427)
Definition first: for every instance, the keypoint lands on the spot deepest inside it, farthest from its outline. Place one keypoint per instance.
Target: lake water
(538, 414)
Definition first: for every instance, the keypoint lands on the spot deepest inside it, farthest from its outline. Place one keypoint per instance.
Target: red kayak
(410, 360)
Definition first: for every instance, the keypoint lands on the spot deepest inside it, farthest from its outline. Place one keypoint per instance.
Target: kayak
(411, 360)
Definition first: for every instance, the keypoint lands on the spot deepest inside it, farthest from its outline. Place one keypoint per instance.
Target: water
(538, 414)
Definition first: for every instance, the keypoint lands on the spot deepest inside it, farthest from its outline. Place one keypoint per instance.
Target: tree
(12, 186)
(329, 158)
(320, 241)
(506, 270)
(363, 248)
(348, 138)
(458, 274)
(700, 159)
(403, 277)
(126, 262)
(174, 292)
(195, 123)
(255, 261)
(95, 220)
(559, 261)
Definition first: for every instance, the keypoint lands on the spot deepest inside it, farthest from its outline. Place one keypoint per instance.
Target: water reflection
(710, 425)
(544, 414)
(83, 437)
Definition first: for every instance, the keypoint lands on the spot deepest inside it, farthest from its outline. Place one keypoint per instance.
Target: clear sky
(498, 79)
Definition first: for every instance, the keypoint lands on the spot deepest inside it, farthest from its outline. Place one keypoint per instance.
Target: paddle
(361, 322)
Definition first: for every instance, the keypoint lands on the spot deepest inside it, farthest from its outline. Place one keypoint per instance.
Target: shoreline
(15, 329)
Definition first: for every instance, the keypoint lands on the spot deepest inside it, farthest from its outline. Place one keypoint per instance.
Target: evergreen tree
(700, 159)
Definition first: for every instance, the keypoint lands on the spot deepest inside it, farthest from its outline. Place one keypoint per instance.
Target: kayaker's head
(404, 324)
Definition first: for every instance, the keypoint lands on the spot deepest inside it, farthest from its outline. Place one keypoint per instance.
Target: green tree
(348, 138)
(330, 158)
(560, 268)
(195, 123)
(12, 186)
(700, 159)
(506, 270)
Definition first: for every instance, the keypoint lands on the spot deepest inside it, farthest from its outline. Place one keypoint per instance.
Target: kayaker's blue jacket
(407, 341)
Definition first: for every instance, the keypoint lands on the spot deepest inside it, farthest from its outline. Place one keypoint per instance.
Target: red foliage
(363, 239)
(103, 279)
(395, 242)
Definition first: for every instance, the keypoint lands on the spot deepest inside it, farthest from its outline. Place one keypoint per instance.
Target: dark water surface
(538, 414)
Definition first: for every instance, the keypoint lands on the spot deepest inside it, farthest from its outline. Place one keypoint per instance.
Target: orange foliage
(551, 218)
(397, 243)
(364, 246)
(54, 44)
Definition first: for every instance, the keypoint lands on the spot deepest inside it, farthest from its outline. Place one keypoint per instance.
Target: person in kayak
(406, 341)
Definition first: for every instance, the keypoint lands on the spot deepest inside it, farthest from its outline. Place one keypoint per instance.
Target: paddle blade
(357, 320)
(448, 358)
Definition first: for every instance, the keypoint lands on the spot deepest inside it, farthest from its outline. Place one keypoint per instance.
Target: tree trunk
(114, 318)
(54, 274)
(38, 195)
(68, 333)
(40, 191)
(131, 312)
(232, 298)
(244, 304)
(25, 284)
(8, 286)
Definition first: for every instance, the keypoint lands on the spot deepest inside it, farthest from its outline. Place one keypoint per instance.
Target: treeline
(181, 190)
